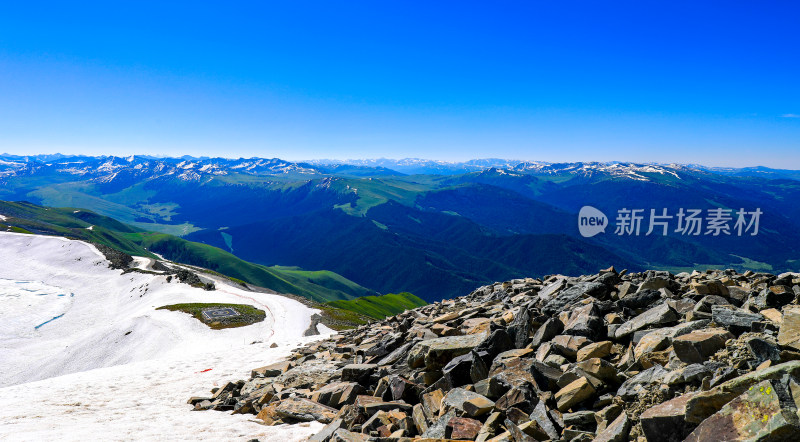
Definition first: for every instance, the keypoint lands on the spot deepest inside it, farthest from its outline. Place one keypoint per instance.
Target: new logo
(591, 221)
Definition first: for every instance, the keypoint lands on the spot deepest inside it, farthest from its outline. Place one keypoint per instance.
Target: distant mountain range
(432, 228)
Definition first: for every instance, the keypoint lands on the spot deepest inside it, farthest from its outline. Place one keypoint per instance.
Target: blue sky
(692, 82)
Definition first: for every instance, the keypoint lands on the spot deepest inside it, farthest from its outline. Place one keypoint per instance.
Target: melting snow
(85, 347)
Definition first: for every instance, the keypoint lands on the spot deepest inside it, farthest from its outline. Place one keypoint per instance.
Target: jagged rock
(585, 321)
(342, 435)
(497, 342)
(434, 354)
(327, 432)
(789, 333)
(574, 393)
(462, 428)
(640, 300)
(374, 407)
(522, 397)
(458, 370)
(762, 350)
(432, 402)
(541, 416)
(438, 429)
(736, 320)
(547, 331)
(490, 388)
(457, 397)
(661, 338)
(607, 415)
(358, 372)
(776, 296)
(489, 427)
(661, 314)
(600, 369)
(698, 345)
(304, 410)
(657, 282)
(766, 411)
(569, 345)
(271, 370)
(617, 431)
(574, 294)
(595, 350)
(520, 329)
(395, 379)
(337, 394)
(666, 422)
(420, 420)
(579, 419)
(631, 387)
(478, 406)
(516, 433)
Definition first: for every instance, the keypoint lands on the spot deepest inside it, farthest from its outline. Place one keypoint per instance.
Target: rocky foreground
(607, 357)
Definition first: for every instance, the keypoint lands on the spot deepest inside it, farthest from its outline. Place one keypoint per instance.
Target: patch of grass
(339, 319)
(247, 314)
(14, 229)
(379, 307)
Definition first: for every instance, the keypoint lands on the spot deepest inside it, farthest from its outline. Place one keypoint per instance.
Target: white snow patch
(143, 401)
(3, 218)
(90, 228)
(112, 318)
(103, 363)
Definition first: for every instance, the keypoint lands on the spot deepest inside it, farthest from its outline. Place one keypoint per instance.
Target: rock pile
(607, 357)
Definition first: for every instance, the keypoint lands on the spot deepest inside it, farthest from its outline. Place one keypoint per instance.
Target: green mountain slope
(379, 307)
(320, 286)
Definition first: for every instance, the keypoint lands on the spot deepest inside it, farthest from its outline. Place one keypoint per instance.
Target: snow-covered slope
(62, 310)
(93, 354)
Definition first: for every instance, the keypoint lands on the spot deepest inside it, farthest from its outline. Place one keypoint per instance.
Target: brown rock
(431, 403)
(420, 420)
(462, 428)
(596, 350)
(304, 410)
(574, 393)
(342, 435)
(478, 406)
(617, 431)
(268, 414)
(569, 345)
(789, 333)
(434, 354)
(600, 369)
(698, 345)
(445, 330)
(666, 422)
(489, 427)
(271, 370)
(773, 315)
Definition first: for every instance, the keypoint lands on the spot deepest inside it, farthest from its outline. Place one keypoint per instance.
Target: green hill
(320, 286)
(379, 307)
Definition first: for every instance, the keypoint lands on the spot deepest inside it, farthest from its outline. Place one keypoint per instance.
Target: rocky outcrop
(611, 357)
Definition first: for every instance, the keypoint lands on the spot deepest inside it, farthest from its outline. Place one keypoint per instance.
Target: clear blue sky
(683, 81)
